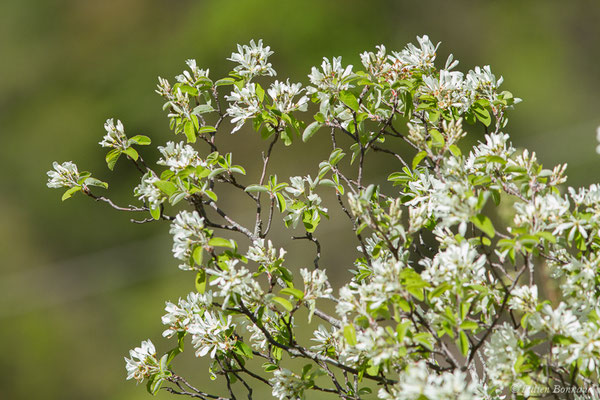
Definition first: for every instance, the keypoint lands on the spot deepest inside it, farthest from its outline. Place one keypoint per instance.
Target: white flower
(447, 89)
(283, 96)
(287, 385)
(143, 362)
(234, 283)
(188, 233)
(252, 60)
(418, 382)
(115, 135)
(482, 83)
(524, 298)
(164, 88)
(193, 77)
(270, 322)
(178, 156)
(245, 104)
(502, 351)
(180, 317)
(64, 175)
(332, 77)
(264, 255)
(378, 345)
(376, 63)
(457, 263)
(324, 339)
(316, 285)
(147, 191)
(412, 57)
(212, 333)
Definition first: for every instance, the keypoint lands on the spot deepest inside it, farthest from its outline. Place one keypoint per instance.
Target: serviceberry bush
(443, 302)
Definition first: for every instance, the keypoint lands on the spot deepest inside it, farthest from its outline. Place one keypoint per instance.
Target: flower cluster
(245, 105)
(146, 191)
(253, 60)
(64, 175)
(142, 362)
(181, 316)
(178, 156)
(115, 135)
(445, 300)
(189, 234)
(283, 93)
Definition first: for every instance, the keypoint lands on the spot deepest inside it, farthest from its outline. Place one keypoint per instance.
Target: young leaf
(350, 100)
(140, 139)
(350, 334)
(112, 157)
(484, 224)
(463, 343)
(189, 131)
(310, 130)
(284, 302)
(299, 294)
(220, 242)
(132, 153)
(67, 195)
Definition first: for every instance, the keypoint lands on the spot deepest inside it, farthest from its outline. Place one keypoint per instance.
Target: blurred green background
(79, 284)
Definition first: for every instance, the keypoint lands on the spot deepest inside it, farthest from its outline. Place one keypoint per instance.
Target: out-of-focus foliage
(68, 65)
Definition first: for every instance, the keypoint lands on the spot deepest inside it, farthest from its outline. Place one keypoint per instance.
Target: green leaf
(439, 290)
(418, 158)
(112, 157)
(154, 384)
(438, 139)
(310, 130)
(225, 81)
(463, 343)
(220, 242)
(268, 367)
(284, 302)
(547, 236)
(70, 192)
(238, 169)
(299, 294)
(189, 131)
(280, 202)
(350, 334)
(211, 195)
(140, 139)
(260, 92)
(256, 188)
(203, 109)
(455, 150)
(95, 182)
(423, 338)
(349, 99)
(201, 281)
(495, 159)
(484, 224)
(132, 153)
(166, 187)
(207, 129)
(469, 325)
(155, 212)
(482, 114)
(434, 115)
(198, 255)
(216, 172)
(244, 348)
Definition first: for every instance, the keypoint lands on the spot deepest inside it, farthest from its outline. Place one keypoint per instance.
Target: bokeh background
(79, 284)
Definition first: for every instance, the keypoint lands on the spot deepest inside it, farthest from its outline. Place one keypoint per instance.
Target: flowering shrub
(443, 303)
